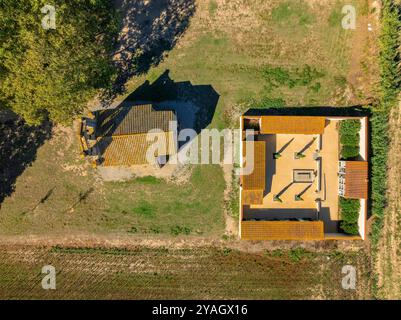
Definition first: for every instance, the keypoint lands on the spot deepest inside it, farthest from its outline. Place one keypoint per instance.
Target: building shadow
(330, 226)
(148, 29)
(270, 168)
(18, 146)
(351, 111)
(276, 214)
(194, 105)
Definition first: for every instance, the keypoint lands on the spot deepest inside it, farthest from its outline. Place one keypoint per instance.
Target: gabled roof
(256, 179)
(282, 230)
(131, 120)
(127, 150)
(356, 179)
(292, 125)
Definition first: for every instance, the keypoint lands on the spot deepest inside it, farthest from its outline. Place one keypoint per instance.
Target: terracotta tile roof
(132, 120)
(292, 125)
(255, 180)
(130, 150)
(282, 230)
(356, 179)
(252, 196)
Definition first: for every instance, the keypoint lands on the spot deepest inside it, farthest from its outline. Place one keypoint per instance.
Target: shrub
(350, 140)
(296, 254)
(349, 204)
(349, 152)
(349, 209)
(390, 79)
(176, 230)
(349, 228)
(350, 127)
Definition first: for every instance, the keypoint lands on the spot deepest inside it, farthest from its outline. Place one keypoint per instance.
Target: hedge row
(349, 209)
(390, 79)
(349, 138)
(389, 90)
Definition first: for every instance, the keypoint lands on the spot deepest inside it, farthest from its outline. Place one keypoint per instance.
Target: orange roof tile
(282, 230)
(356, 179)
(130, 150)
(292, 125)
(132, 120)
(252, 196)
(256, 179)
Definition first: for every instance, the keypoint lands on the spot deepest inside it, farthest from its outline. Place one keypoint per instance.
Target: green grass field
(60, 194)
(232, 52)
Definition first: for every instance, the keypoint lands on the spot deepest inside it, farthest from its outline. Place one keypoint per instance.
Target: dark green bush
(177, 230)
(390, 79)
(349, 152)
(349, 228)
(349, 209)
(350, 127)
(350, 140)
(348, 205)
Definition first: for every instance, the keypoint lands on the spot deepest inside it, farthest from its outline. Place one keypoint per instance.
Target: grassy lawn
(280, 52)
(154, 206)
(242, 49)
(160, 273)
(60, 193)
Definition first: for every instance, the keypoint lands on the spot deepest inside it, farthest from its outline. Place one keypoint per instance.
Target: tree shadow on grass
(148, 30)
(18, 146)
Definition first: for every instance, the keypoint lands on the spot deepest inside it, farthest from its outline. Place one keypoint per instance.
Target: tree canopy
(54, 72)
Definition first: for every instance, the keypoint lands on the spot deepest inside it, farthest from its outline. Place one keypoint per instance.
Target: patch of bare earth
(175, 173)
(388, 264)
(112, 240)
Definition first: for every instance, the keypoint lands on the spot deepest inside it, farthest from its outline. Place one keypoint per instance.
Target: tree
(53, 73)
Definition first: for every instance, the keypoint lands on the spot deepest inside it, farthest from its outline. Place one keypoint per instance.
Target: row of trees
(390, 76)
(54, 72)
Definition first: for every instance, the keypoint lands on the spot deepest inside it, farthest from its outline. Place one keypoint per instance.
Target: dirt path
(128, 241)
(388, 264)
